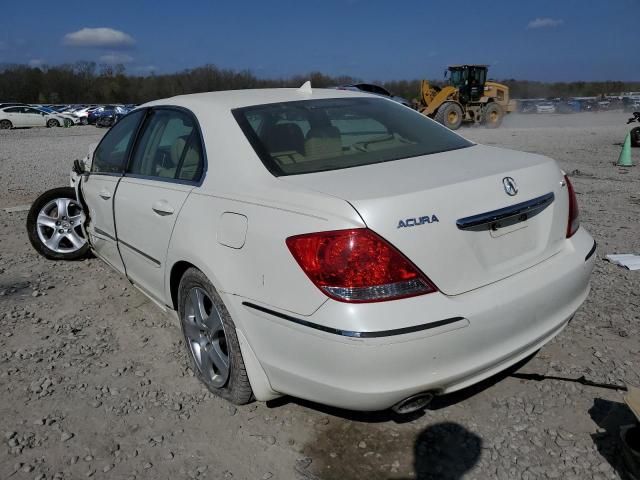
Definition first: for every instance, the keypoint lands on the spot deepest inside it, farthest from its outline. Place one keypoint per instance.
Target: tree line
(87, 82)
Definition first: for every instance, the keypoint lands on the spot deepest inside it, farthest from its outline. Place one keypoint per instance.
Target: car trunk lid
(450, 212)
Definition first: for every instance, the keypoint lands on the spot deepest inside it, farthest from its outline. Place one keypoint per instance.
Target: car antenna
(306, 87)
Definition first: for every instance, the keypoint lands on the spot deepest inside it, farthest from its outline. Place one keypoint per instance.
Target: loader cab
(469, 80)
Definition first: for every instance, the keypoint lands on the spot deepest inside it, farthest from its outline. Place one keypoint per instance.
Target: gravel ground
(93, 379)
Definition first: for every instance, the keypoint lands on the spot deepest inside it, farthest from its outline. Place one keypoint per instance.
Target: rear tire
(492, 115)
(50, 228)
(635, 137)
(449, 115)
(5, 125)
(53, 123)
(211, 340)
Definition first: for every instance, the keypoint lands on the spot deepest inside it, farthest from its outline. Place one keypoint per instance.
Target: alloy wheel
(206, 338)
(59, 225)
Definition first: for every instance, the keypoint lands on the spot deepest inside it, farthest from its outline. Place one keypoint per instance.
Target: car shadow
(445, 451)
(610, 416)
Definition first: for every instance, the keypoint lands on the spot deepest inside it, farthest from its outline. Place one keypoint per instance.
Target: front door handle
(162, 207)
(105, 194)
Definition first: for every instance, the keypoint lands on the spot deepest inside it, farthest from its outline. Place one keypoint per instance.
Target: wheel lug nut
(57, 223)
(61, 231)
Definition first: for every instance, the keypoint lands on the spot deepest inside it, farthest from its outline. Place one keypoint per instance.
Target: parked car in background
(588, 105)
(68, 118)
(25, 116)
(93, 116)
(108, 120)
(83, 114)
(566, 107)
(331, 245)
(631, 106)
(545, 107)
(376, 90)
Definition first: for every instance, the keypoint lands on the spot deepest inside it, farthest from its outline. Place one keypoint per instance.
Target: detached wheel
(54, 225)
(5, 125)
(53, 123)
(449, 115)
(635, 137)
(211, 340)
(492, 115)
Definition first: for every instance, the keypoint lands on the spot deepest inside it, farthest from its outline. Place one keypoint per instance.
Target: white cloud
(115, 58)
(36, 62)
(99, 38)
(545, 22)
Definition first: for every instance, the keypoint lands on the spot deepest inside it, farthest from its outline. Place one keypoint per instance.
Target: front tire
(449, 115)
(54, 225)
(492, 115)
(53, 123)
(5, 125)
(210, 339)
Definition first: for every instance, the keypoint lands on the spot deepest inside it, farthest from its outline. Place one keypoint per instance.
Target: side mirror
(78, 168)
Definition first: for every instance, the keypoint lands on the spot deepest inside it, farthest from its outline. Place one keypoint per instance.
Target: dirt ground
(94, 384)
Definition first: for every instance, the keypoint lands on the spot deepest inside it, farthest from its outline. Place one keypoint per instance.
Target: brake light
(357, 266)
(574, 214)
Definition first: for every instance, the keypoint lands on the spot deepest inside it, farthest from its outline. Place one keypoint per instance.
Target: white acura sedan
(327, 244)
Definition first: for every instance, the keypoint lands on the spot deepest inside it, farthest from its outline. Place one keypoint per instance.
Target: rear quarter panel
(263, 270)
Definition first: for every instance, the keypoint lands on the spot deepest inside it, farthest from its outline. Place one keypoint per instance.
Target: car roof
(230, 99)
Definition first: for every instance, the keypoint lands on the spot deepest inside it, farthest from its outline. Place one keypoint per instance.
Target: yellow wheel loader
(467, 97)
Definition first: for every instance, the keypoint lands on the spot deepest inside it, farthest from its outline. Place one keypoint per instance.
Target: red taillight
(357, 266)
(574, 214)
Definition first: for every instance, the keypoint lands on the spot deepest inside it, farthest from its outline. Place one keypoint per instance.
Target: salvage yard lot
(93, 378)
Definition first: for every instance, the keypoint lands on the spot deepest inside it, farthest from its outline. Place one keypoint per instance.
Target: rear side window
(169, 147)
(111, 154)
(320, 135)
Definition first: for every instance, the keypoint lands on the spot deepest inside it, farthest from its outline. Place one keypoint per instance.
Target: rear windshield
(311, 136)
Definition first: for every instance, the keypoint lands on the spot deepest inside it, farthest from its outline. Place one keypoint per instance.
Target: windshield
(320, 135)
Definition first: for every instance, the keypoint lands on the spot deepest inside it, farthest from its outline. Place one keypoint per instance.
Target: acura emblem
(510, 186)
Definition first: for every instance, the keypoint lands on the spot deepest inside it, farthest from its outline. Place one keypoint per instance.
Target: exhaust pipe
(413, 403)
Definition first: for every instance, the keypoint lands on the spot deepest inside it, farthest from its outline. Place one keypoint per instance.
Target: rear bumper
(432, 342)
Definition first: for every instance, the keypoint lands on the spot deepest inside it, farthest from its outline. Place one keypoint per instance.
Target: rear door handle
(162, 207)
(105, 194)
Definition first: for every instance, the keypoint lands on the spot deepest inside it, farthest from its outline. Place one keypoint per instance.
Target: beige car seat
(168, 170)
(323, 142)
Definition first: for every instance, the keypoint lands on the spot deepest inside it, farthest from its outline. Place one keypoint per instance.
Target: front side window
(320, 135)
(169, 147)
(111, 154)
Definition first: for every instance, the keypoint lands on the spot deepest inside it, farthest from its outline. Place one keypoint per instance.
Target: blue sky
(560, 40)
